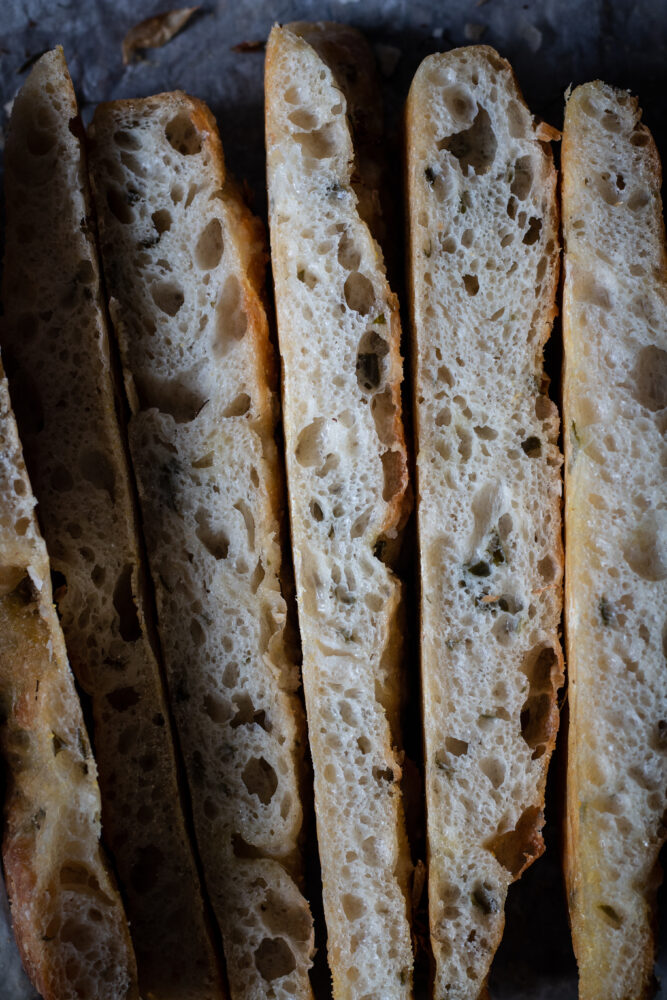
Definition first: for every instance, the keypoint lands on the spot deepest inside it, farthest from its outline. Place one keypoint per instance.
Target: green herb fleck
(380, 320)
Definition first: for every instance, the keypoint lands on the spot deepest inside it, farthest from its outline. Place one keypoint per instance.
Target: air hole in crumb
(650, 378)
(319, 144)
(176, 397)
(471, 283)
(126, 609)
(486, 433)
(369, 367)
(303, 119)
(518, 847)
(459, 102)
(539, 712)
(210, 246)
(523, 177)
(473, 147)
(353, 906)
(547, 569)
(589, 289)
(260, 779)
(205, 462)
(359, 294)
(349, 256)
(125, 140)
(214, 540)
(532, 446)
(310, 444)
(645, 550)
(231, 318)
(238, 407)
(182, 135)
(168, 297)
(532, 234)
(458, 748)
(316, 511)
(494, 769)
(274, 959)
(161, 220)
(610, 915)
(217, 708)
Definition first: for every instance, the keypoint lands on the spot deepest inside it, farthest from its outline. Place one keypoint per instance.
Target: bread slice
(483, 268)
(54, 332)
(615, 419)
(68, 917)
(184, 266)
(339, 333)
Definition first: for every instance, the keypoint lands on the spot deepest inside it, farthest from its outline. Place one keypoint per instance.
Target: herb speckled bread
(483, 268)
(67, 914)
(184, 266)
(54, 333)
(615, 419)
(339, 334)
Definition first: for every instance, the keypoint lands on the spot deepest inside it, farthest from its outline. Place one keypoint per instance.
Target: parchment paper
(550, 44)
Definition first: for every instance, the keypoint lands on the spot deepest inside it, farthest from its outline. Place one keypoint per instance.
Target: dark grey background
(550, 44)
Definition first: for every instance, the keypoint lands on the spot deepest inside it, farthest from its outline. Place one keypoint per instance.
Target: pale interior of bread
(483, 271)
(54, 332)
(615, 419)
(182, 260)
(339, 339)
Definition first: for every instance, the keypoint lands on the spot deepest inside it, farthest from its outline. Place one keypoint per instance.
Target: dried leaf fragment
(256, 46)
(155, 31)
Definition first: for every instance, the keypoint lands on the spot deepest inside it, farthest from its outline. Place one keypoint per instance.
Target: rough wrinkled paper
(216, 56)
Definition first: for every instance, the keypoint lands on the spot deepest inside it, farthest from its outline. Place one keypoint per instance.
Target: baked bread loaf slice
(615, 419)
(67, 914)
(184, 266)
(483, 269)
(339, 333)
(55, 336)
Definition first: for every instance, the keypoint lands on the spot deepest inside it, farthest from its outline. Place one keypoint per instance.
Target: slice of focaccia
(339, 333)
(615, 419)
(54, 334)
(184, 266)
(483, 267)
(68, 917)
